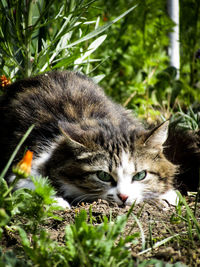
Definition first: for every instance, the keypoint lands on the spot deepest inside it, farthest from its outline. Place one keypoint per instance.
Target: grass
(85, 244)
(39, 36)
(24, 213)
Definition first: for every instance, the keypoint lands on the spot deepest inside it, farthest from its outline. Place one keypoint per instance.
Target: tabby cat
(88, 146)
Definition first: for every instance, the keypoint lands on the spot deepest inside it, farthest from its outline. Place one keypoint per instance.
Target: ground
(157, 224)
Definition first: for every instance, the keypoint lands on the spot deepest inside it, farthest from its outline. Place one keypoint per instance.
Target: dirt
(157, 224)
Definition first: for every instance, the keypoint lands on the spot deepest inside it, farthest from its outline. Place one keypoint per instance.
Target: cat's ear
(78, 135)
(158, 135)
(70, 141)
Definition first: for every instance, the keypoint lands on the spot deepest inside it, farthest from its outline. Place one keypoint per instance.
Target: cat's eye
(104, 176)
(139, 176)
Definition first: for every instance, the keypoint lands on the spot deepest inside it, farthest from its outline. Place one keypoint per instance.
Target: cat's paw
(62, 203)
(170, 198)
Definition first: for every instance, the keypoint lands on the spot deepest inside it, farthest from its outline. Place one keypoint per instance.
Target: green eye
(139, 176)
(104, 176)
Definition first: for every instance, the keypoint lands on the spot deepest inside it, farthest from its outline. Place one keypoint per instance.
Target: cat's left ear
(71, 142)
(158, 135)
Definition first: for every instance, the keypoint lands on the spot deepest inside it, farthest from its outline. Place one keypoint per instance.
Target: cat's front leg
(169, 198)
(62, 202)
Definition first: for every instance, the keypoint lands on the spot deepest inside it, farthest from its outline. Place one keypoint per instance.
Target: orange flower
(105, 18)
(4, 81)
(23, 168)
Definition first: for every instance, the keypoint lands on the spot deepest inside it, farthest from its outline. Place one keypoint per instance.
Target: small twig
(150, 75)
(129, 99)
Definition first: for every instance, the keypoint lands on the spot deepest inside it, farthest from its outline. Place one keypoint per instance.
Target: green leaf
(24, 237)
(99, 29)
(98, 78)
(5, 202)
(4, 218)
(92, 47)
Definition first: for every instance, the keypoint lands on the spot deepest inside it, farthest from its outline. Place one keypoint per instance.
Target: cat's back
(45, 100)
(51, 98)
(49, 91)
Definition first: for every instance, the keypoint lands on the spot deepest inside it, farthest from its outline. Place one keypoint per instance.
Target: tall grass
(38, 36)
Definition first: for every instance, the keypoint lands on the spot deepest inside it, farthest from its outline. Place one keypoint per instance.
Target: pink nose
(122, 197)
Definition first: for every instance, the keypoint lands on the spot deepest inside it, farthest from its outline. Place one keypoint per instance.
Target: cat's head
(92, 162)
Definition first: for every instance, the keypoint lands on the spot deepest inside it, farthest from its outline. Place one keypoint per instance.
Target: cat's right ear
(158, 135)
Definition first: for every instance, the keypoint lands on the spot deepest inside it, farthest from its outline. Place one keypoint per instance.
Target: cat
(88, 146)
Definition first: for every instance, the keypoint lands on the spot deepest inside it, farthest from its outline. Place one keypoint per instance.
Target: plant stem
(15, 152)
(11, 187)
(28, 29)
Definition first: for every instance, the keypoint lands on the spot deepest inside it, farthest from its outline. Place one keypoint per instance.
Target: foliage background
(140, 63)
(38, 36)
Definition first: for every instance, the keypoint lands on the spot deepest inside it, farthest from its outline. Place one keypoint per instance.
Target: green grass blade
(191, 215)
(100, 29)
(158, 244)
(141, 231)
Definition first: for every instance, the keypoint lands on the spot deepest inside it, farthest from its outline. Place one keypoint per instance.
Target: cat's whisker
(88, 196)
(110, 198)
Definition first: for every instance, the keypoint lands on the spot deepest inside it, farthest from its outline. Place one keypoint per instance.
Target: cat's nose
(122, 197)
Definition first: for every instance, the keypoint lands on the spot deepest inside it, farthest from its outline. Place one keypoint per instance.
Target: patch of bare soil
(157, 224)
